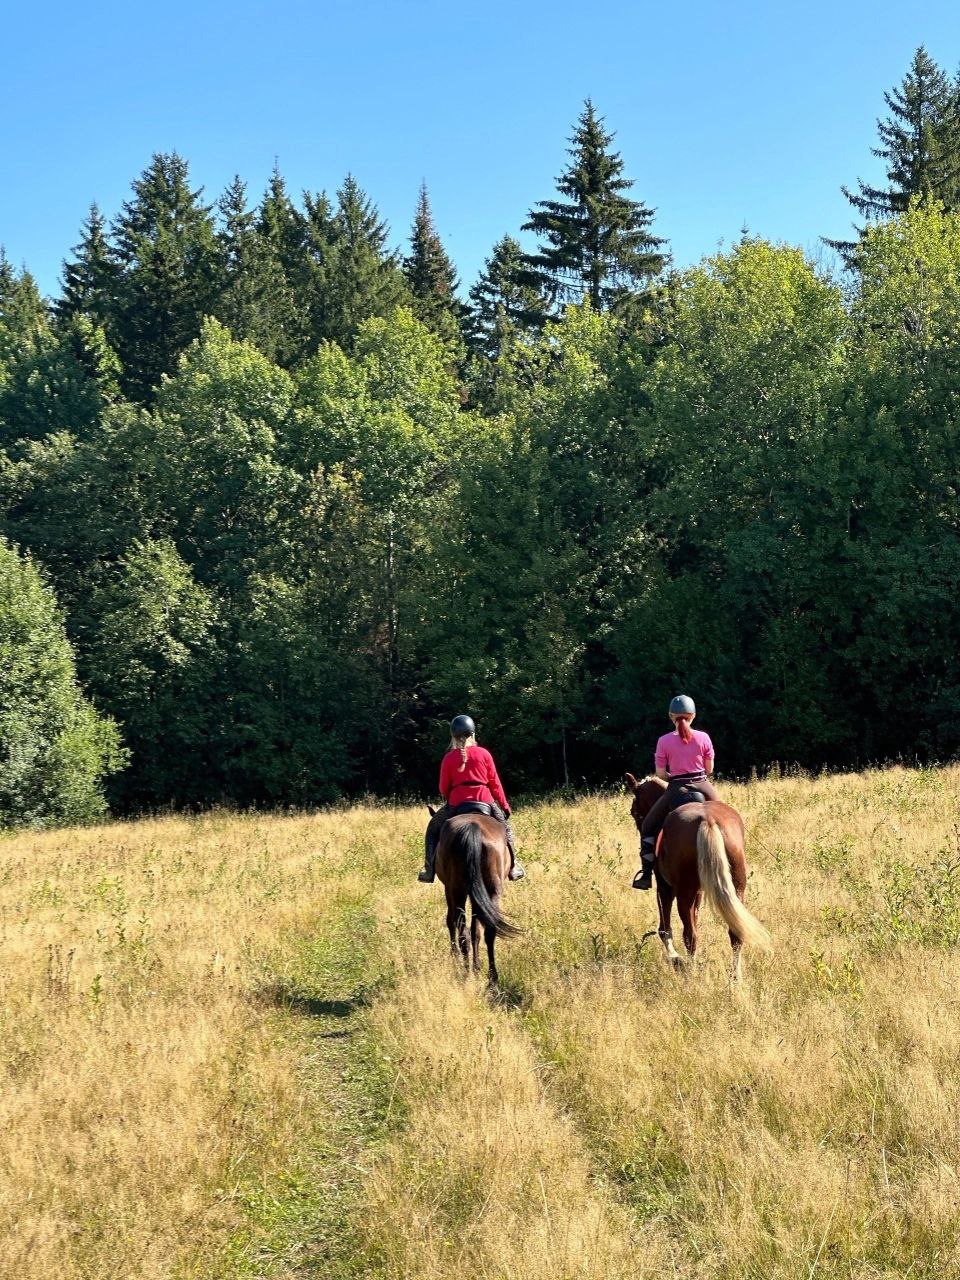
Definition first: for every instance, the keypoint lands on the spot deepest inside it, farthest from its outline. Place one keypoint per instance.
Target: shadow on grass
(294, 999)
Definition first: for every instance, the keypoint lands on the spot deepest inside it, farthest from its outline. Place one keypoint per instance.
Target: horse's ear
(431, 810)
(631, 781)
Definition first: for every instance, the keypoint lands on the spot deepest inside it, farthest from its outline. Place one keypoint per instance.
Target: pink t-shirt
(677, 756)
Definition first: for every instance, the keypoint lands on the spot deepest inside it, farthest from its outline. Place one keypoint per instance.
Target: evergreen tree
(22, 310)
(362, 278)
(90, 280)
(284, 231)
(920, 145)
(170, 273)
(62, 379)
(505, 302)
(432, 277)
(55, 749)
(596, 242)
(255, 303)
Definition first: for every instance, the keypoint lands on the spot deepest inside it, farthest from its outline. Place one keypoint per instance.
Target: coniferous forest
(277, 499)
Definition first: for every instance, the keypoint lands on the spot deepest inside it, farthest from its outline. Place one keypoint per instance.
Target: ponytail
(460, 744)
(683, 728)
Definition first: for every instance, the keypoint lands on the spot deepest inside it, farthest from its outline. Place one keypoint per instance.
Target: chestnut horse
(700, 852)
(473, 861)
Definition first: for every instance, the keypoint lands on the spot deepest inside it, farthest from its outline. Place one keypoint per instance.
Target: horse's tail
(717, 884)
(468, 843)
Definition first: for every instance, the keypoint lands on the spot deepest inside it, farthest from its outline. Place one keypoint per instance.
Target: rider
(683, 759)
(468, 777)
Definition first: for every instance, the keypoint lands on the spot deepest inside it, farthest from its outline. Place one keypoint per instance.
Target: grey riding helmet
(682, 706)
(462, 727)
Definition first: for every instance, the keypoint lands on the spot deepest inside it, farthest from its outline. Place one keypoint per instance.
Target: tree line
(275, 502)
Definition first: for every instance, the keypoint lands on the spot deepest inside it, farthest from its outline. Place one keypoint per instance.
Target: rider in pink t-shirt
(684, 760)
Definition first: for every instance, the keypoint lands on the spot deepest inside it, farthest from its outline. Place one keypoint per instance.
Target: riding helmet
(682, 706)
(462, 727)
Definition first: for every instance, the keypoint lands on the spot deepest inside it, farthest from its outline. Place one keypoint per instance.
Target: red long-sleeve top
(478, 781)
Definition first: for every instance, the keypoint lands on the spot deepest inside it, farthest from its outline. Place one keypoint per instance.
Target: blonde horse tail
(717, 885)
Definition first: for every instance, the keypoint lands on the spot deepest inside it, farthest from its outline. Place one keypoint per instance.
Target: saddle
(685, 795)
(472, 806)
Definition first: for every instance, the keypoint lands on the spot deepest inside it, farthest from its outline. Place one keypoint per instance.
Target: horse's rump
(471, 850)
(713, 866)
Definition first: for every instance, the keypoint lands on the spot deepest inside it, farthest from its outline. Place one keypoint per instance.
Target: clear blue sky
(726, 114)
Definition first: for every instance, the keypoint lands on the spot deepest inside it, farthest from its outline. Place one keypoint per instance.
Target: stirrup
(516, 872)
(427, 875)
(643, 879)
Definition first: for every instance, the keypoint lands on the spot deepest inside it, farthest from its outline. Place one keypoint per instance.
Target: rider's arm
(663, 775)
(494, 783)
(708, 766)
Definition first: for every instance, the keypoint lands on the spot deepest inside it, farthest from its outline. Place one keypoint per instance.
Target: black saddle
(472, 806)
(685, 795)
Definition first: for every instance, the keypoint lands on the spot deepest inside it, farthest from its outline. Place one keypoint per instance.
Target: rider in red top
(468, 782)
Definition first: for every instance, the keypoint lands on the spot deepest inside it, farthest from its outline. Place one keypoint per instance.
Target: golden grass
(606, 1117)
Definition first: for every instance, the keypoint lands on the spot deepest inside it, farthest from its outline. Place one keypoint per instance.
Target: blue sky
(726, 115)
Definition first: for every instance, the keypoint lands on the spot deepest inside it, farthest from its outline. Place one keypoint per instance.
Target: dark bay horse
(700, 853)
(473, 861)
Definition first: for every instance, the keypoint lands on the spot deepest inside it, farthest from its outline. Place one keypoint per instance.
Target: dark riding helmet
(462, 727)
(682, 706)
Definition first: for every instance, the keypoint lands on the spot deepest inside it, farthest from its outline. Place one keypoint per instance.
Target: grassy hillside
(236, 1046)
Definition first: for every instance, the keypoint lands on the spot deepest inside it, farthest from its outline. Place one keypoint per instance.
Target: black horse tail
(468, 843)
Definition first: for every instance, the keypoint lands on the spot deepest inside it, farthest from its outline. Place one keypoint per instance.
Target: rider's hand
(506, 815)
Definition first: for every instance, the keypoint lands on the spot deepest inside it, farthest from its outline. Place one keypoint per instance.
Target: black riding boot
(430, 840)
(644, 877)
(427, 875)
(516, 871)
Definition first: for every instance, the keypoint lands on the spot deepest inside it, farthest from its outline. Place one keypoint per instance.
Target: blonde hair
(460, 743)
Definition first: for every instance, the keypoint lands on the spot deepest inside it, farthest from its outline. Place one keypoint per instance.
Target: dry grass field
(236, 1046)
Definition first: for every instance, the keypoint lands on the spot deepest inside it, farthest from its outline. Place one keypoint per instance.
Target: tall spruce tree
(919, 144)
(362, 278)
(90, 280)
(596, 242)
(506, 303)
(255, 303)
(284, 230)
(432, 277)
(170, 273)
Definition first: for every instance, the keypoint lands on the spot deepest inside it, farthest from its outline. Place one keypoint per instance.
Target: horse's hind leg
(665, 932)
(457, 927)
(475, 942)
(687, 908)
(490, 937)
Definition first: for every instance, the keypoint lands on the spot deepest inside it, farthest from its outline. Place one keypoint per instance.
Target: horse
(700, 853)
(473, 861)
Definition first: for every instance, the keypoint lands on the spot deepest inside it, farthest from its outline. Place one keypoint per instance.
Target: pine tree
(361, 279)
(505, 303)
(920, 145)
(170, 273)
(90, 281)
(432, 278)
(596, 242)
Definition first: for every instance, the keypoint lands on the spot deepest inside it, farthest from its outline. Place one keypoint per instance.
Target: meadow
(236, 1046)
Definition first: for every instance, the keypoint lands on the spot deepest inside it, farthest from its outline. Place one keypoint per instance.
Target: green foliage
(56, 749)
